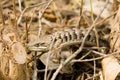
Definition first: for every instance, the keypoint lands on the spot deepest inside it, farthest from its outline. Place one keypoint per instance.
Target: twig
(94, 48)
(32, 13)
(87, 20)
(26, 31)
(101, 54)
(43, 70)
(91, 66)
(91, 7)
(96, 35)
(86, 60)
(36, 5)
(20, 8)
(41, 15)
(81, 10)
(37, 57)
(34, 77)
(85, 55)
(14, 9)
(15, 14)
(38, 49)
(93, 59)
(40, 26)
(94, 62)
(81, 47)
(112, 48)
(49, 74)
(115, 5)
(93, 77)
(95, 31)
(47, 60)
(46, 8)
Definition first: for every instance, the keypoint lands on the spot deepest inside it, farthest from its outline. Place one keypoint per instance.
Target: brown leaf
(19, 52)
(111, 68)
(10, 37)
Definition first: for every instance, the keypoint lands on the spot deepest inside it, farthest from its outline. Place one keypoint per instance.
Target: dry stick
(14, 9)
(30, 60)
(34, 77)
(96, 33)
(41, 15)
(83, 75)
(47, 60)
(49, 74)
(20, 8)
(93, 77)
(112, 48)
(101, 54)
(85, 55)
(40, 26)
(81, 10)
(30, 22)
(91, 66)
(15, 14)
(115, 5)
(94, 48)
(86, 60)
(94, 62)
(85, 17)
(80, 48)
(36, 5)
(87, 74)
(26, 31)
(46, 7)
(80, 60)
(91, 7)
(43, 70)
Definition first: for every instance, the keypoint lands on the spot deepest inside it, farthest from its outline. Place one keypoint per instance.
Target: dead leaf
(10, 37)
(97, 7)
(101, 75)
(111, 68)
(19, 52)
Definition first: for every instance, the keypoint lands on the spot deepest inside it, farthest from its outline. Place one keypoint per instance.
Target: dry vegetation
(59, 40)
